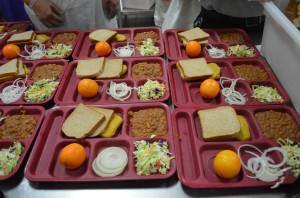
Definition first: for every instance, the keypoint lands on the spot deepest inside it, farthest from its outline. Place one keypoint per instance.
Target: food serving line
(188, 169)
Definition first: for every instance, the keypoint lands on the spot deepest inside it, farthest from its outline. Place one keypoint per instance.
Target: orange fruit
(193, 49)
(11, 51)
(103, 48)
(227, 164)
(209, 88)
(87, 88)
(72, 156)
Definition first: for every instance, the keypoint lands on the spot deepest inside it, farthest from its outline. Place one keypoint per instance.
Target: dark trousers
(213, 19)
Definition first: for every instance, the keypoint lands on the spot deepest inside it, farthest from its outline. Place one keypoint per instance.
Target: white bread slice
(21, 71)
(220, 123)
(202, 43)
(22, 38)
(102, 35)
(90, 68)
(112, 69)
(10, 68)
(194, 34)
(82, 122)
(194, 69)
(108, 113)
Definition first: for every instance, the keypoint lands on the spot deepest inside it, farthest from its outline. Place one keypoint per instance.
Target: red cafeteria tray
(175, 50)
(36, 111)
(85, 48)
(67, 93)
(31, 65)
(12, 25)
(195, 156)
(187, 93)
(44, 166)
(51, 34)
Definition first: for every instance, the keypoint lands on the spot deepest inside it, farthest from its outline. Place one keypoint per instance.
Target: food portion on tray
(28, 83)
(18, 127)
(120, 80)
(118, 43)
(200, 81)
(11, 27)
(208, 43)
(104, 143)
(35, 45)
(236, 146)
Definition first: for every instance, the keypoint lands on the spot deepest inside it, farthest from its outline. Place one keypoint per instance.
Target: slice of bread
(90, 68)
(194, 34)
(112, 69)
(10, 68)
(82, 122)
(202, 43)
(21, 70)
(102, 35)
(22, 38)
(194, 69)
(218, 124)
(108, 113)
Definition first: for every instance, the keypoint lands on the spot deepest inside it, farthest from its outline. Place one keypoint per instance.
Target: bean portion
(276, 124)
(250, 72)
(65, 38)
(142, 36)
(17, 127)
(232, 37)
(48, 71)
(147, 122)
(146, 70)
(17, 27)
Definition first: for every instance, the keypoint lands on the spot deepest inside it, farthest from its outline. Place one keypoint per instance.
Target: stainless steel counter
(19, 186)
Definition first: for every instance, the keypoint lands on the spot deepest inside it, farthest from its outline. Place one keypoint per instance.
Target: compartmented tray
(67, 93)
(187, 93)
(195, 156)
(85, 48)
(31, 65)
(36, 111)
(44, 165)
(175, 50)
(16, 26)
(52, 35)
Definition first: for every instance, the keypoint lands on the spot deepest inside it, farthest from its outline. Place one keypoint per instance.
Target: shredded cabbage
(9, 158)
(148, 48)
(152, 157)
(40, 90)
(266, 94)
(293, 154)
(240, 51)
(58, 51)
(151, 90)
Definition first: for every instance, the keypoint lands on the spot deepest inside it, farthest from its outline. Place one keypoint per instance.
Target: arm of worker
(47, 12)
(110, 8)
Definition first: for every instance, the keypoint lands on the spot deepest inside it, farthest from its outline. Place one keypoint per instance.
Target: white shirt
(77, 14)
(234, 8)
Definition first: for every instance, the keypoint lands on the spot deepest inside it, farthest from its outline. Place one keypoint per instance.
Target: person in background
(161, 8)
(72, 14)
(180, 13)
(243, 14)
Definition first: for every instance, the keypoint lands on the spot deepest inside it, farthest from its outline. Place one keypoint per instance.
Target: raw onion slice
(37, 52)
(263, 167)
(231, 95)
(125, 51)
(13, 92)
(215, 52)
(119, 91)
(110, 162)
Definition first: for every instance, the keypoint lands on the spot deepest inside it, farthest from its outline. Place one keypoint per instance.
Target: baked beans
(276, 124)
(142, 36)
(232, 37)
(250, 72)
(147, 122)
(48, 71)
(146, 70)
(65, 38)
(17, 27)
